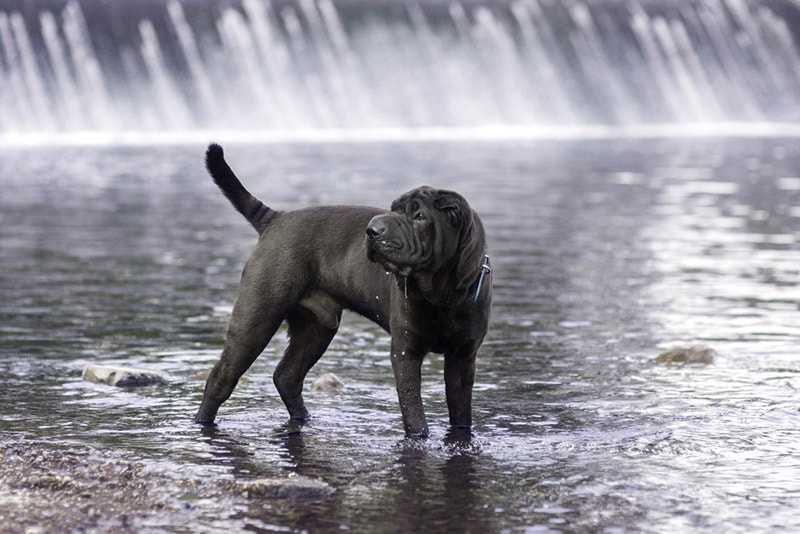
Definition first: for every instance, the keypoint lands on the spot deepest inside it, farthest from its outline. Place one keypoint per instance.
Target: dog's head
(428, 232)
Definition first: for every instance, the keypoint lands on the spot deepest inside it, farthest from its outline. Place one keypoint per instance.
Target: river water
(605, 253)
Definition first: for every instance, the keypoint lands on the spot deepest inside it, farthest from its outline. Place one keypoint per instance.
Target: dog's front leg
(407, 366)
(459, 377)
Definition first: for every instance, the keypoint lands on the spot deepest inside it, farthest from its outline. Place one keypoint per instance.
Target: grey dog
(420, 271)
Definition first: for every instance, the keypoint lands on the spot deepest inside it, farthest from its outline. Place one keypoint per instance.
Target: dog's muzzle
(378, 229)
(377, 239)
(382, 245)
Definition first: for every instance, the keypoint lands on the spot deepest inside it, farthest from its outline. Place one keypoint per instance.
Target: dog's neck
(428, 287)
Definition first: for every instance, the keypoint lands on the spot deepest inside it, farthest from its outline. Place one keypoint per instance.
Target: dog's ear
(452, 205)
(472, 244)
(472, 239)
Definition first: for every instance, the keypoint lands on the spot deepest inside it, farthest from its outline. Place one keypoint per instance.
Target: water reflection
(725, 225)
(435, 493)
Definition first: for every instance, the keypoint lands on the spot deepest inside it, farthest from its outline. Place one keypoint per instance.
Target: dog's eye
(419, 217)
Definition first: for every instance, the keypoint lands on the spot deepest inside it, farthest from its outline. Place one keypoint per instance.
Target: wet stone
(328, 383)
(294, 487)
(696, 354)
(122, 376)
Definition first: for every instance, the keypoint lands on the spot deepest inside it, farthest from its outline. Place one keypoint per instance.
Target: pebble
(696, 354)
(121, 376)
(294, 487)
(328, 383)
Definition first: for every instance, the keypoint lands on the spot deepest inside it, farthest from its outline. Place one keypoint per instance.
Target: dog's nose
(376, 228)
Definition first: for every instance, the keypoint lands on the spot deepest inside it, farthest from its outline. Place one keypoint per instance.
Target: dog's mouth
(384, 252)
(401, 270)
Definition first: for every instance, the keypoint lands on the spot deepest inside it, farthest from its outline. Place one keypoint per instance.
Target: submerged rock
(122, 376)
(695, 354)
(294, 487)
(203, 376)
(328, 383)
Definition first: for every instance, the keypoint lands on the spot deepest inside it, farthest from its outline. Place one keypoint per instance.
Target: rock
(294, 487)
(328, 383)
(201, 376)
(700, 354)
(122, 376)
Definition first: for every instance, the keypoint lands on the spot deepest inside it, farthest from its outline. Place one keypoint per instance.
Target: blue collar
(484, 269)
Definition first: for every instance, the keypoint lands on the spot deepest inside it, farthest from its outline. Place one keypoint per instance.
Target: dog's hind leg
(240, 351)
(309, 337)
(252, 325)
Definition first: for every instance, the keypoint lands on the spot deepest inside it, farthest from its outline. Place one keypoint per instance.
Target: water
(287, 67)
(605, 252)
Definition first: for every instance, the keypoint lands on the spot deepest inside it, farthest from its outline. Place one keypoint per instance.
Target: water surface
(604, 253)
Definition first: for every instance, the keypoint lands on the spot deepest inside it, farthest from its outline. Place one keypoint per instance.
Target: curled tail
(253, 209)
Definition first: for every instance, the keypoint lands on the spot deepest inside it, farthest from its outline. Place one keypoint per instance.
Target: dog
(420, 271)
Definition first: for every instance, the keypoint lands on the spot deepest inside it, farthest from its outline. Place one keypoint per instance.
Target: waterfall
(292, 65)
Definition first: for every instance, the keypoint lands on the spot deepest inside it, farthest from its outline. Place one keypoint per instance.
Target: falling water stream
(297, 66)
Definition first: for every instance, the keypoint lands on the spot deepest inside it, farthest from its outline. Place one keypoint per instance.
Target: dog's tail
(253, 209)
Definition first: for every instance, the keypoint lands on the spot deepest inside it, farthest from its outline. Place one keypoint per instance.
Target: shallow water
(604, 254)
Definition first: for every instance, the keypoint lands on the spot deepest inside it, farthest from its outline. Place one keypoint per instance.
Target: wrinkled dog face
(419, 234)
